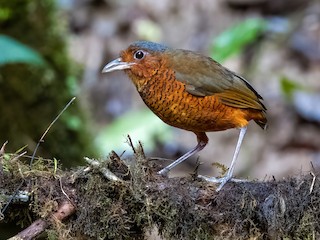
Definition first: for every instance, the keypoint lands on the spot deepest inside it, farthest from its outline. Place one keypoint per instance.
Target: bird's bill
(116, 65)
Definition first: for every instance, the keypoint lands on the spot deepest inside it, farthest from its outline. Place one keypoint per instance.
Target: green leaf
(141, 125)
(233, 40)
(13, 51)
(288, 87)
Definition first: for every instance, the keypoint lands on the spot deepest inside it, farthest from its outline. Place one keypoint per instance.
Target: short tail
(261, 120)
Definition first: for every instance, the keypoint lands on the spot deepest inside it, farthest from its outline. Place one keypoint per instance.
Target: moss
(41, 182)
(180, 208)
(113, 210)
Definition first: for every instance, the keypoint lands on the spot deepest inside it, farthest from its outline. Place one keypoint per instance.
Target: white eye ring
(139, 54)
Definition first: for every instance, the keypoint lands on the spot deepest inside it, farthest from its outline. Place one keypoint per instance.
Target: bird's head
(140, 60)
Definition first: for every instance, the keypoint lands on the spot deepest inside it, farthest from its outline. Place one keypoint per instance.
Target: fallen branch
(65, 210)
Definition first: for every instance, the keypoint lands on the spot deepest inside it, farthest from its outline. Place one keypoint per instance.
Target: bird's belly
(180, 109)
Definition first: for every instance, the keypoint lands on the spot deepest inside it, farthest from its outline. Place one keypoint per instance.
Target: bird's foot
(164, 172)
(222, 180)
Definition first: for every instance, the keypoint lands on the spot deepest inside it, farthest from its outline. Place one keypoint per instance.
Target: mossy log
(126, 199)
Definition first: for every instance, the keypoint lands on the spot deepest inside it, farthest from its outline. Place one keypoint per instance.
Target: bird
(190, 91)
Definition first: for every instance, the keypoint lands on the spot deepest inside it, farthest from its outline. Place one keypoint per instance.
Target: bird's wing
(205, 77)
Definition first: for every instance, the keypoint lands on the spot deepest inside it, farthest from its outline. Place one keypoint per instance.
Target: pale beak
(115, 65)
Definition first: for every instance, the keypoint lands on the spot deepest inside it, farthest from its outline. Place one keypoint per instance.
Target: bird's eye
(139, 54)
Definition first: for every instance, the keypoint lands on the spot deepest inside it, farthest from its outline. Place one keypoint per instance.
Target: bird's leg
(202, 142)
(228, 176)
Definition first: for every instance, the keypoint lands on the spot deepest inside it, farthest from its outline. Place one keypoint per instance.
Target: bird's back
(167, 98)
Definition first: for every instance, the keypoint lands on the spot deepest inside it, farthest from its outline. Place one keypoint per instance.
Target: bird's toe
(163, 172)
(210, 179)
(222, 180)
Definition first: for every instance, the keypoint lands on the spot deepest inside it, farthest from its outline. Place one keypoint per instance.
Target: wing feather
(205, 77)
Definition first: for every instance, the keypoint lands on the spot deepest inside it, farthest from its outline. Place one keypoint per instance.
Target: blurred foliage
(13, 51)
(288, 87)
(33, 95)
(304, 101)
(141, 125)
(235, 39)
(148, 30)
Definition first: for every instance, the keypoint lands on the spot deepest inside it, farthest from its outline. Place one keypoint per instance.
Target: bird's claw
(222, 180)
(163, 172)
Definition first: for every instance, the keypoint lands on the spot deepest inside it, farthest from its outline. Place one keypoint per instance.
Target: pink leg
(202, 142)
(228, 176)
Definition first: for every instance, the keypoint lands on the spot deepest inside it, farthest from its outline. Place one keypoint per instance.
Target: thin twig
(2, 151)
(12, 197)
(313, 182)
(142, 150)
(131, 144)
(122, 153)
(2, 148)
(18, 156)
(37, 158)
(195, 174)
(159, 159)
(62, 190)
(105, 171)
(47, 130)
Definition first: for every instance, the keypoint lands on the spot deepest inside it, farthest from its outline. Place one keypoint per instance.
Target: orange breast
(167, 98)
